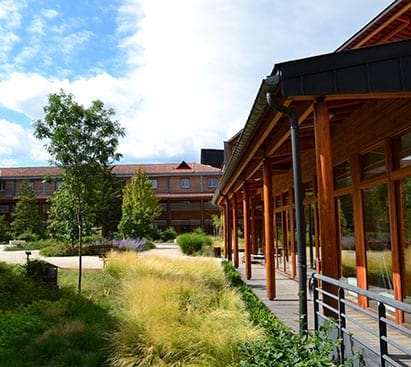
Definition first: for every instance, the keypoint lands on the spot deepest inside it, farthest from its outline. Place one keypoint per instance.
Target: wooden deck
(285, 307)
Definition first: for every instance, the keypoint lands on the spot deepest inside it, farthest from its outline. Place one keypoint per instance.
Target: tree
(140, 207)
(62, 217)
(217, 224)
(26, 217)
(82, 141)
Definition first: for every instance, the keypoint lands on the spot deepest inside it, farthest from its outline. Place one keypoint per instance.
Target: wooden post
(235, 231)
(228, 230)
(268, 227)
(395, 236)
(246, 219)
(254, 241)
(359, 235)
(292, 232)
(225, 231)
(327, 215)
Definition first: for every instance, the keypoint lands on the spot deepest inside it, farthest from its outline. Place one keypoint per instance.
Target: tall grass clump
(178, 312)
(194, 243)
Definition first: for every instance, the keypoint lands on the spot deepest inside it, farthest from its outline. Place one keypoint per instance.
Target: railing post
(315, 301)
(341, 321)
(382, 328)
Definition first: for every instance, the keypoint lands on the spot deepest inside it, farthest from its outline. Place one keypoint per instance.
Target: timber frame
(350, 105)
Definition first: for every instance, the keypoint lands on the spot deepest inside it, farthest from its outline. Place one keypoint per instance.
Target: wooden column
(268, 227)
(168, 213)
(327, 215)
(359, 235)
(254, 241)
(228, 229)
(235, 231)
(225, 230)
(395, 236)
(292, 233)
(246, 220)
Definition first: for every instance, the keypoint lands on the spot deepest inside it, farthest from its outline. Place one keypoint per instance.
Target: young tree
(82, 141)
(140, 207)
(26, 217)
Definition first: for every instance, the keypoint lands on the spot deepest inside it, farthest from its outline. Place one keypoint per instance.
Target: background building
(184, 189)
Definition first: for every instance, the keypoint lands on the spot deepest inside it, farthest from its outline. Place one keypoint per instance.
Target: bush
(168, 234)
(28, 236)
(36, 245)
(193, 243)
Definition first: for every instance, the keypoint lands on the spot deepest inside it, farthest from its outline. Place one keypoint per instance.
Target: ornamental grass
(177, 312)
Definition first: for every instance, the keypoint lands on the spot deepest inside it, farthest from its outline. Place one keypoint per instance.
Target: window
(373, 163)
(185, 183)
(2, 185)
(154, 183)
(377, 238)
(212, 183)
(346, 239)
(401, 147)
(342, 175)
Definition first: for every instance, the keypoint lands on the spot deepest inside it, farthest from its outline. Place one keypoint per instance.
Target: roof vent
(183, 165)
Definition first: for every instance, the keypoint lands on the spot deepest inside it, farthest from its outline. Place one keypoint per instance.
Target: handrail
(337, 299)
(377, 297)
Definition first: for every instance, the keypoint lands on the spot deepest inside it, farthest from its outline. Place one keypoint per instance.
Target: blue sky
(180, 74)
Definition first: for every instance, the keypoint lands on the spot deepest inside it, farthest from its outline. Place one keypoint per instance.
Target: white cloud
(194, 67)
(49, 13)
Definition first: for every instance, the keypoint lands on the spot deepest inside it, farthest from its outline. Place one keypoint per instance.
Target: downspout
(272, 82)
(227, 227)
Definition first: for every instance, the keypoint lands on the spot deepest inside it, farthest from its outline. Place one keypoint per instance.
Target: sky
(181, 75)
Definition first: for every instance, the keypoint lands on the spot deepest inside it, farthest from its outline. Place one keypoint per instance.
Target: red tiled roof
(120, 169)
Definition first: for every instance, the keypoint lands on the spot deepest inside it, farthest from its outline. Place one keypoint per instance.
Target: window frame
(183, 186)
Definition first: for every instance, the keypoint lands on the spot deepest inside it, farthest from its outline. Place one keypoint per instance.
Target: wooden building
(184, 190)
(354, 115)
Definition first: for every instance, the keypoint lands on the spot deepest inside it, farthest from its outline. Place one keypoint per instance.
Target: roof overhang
(366, 71)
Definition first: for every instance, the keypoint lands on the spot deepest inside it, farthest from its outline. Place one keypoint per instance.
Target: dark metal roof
(374, 69)
(212, 157)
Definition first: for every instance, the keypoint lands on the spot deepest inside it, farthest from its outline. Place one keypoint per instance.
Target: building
(354, 115)
(184, 190)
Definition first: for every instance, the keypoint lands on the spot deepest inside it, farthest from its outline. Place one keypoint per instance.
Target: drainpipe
(299, 207)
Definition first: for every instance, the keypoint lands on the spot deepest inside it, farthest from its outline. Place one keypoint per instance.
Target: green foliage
(82, 141)
(43, 327)
(4, 230)
(140, 207)
(26, 217)
(168, 234)
(194, 243)
(28, 236)
(281, 346)
(217, 223)
(35, 245)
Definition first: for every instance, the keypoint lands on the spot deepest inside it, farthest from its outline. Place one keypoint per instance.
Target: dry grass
(177, 312)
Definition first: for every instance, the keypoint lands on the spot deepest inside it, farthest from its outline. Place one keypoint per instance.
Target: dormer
(183, 165)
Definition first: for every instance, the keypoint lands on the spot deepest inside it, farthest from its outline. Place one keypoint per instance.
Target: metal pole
(299, 210)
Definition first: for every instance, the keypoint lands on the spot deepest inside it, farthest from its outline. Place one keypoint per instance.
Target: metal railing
(330, 294)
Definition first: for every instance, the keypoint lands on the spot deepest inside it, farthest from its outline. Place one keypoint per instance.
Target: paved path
(71, 262)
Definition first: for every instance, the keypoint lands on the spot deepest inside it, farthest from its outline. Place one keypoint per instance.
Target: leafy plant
(140, 207)
(168, 234)
(193, 243)
(82, 141)
(26, 217)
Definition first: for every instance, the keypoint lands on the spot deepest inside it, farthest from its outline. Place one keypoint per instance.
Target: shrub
(28, 236)
(36, 245)
(168, 234)
(193, 243)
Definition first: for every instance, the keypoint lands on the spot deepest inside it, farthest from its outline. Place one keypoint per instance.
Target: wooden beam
(383, 25)
(327, 213)
(268, 227)
(246, 221)
(359, 234)
(394, 234)
(292, 233)
(235, 231)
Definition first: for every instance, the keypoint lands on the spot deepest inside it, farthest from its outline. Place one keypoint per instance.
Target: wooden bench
(257, 259)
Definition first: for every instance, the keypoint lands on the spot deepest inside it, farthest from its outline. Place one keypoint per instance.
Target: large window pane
(402, 151)
(342, 175)
(377, 237)
(373, 163)
(406, 238)
(346, 237)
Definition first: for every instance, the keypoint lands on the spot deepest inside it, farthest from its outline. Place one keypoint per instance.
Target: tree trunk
(80, 247)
